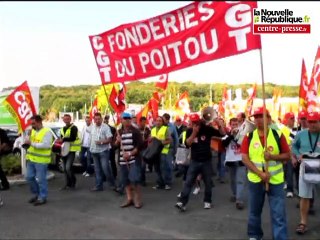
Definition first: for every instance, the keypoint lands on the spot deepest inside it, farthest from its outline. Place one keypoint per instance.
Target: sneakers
(239, 205)
(179, 195)
(289, 194)
(207, 205)
(33, 199)
(84, 173)
(181, 206)
(157, 187)
(87, 175)
(196, 191)
(40, 202)
(167, 187)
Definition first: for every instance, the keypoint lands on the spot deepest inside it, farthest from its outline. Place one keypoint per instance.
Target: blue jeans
(221, 166)
(238, 180)
(86, 159)
(68, 169)
(102, 166)
(195, 168)
(289, 172)
(165, 169)
(37, 178)
(277, 205)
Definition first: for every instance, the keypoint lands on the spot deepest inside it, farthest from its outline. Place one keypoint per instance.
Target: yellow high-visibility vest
(184, 136)
(256, 155)
(161, 135)
(75, 145)
(39, 155)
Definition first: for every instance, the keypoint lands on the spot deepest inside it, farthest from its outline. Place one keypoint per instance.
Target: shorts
(130, 174)
(305, 188)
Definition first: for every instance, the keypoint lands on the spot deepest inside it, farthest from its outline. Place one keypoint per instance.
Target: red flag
(117, 100)
(20, 104)
(94, 108)
(162, 81)
(154, 105)
(303, 87)
(315, 75)
(199, 32)
(157, 96)
(312, 95)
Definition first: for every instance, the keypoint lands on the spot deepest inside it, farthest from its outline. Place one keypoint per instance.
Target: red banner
(20, 104)
(197, 33)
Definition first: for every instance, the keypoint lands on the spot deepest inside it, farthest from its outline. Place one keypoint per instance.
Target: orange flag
(303, 87)
(252, 93)
(182, 105)
(94, 108)
(20, 104)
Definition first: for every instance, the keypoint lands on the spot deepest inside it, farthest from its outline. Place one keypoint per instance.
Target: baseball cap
(178, 118)
(313, 116)
(259, 111)
(194, 117)
(126, 115)
(288, 115)
(302, 114)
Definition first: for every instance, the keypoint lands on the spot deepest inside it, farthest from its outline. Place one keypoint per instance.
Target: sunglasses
(303, 118)
(127, 118)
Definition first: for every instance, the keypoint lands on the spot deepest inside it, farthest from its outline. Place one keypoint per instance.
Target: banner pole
(265, 124)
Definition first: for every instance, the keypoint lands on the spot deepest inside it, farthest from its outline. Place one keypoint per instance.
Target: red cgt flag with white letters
(20, 104)
(199, 32)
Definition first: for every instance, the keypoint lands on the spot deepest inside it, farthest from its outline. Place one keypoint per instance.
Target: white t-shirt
(86, 136)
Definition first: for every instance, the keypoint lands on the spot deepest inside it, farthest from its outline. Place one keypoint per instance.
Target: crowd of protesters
(267, 161)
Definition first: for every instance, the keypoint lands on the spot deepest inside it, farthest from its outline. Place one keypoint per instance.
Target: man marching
(255, 156)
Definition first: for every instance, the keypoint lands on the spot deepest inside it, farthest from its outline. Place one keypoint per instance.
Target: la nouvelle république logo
(279, 21)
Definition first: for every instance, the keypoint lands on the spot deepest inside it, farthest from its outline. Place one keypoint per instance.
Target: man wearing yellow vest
(38, 157)
(255, 156)
(162, 133)
(69, 133)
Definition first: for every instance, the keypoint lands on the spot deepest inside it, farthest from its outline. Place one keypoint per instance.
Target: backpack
(275, 134)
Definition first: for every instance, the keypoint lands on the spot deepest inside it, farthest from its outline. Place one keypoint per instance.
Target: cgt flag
(303, 88)
(199, 32)
(20, 104)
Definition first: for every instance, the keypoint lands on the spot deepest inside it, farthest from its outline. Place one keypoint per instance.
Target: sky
(47, 43)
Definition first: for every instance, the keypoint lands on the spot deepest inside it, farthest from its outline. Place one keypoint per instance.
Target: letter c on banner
(96, 45)
(19, 95)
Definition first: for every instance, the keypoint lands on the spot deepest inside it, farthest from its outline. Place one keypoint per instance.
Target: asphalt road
(82, 214)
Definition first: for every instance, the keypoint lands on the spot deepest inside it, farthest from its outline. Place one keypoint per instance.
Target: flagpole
(265, 124)
(107, 96)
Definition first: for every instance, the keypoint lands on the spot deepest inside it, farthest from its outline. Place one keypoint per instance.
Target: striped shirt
(130, 139)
